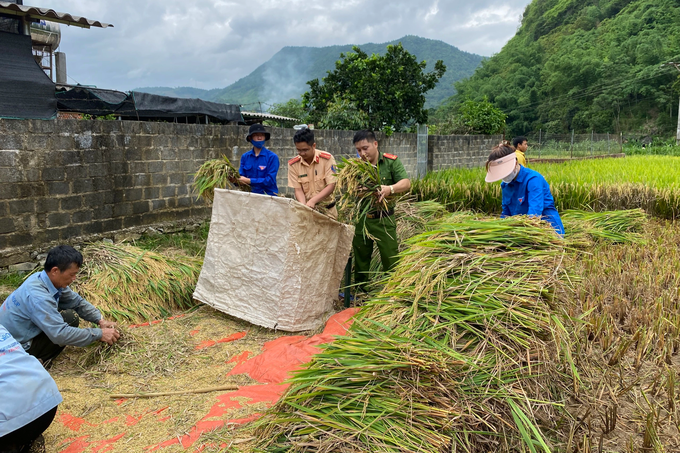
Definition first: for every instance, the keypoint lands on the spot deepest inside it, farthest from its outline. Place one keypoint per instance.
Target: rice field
(626, 320)
(651, 183)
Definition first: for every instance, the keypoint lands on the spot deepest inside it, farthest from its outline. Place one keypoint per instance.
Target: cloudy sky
(212, 43)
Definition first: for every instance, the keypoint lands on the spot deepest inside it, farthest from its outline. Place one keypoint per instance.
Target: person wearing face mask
(525, 191)
(259, 166)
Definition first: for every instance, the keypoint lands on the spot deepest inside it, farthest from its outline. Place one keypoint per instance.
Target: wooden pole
(179, 392)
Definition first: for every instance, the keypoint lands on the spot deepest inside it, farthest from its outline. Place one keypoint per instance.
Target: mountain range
(285, 75)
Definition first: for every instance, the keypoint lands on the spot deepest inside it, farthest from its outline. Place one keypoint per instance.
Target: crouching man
(43, 314)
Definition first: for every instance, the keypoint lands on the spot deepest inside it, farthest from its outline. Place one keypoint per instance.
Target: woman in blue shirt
(525, 191)
(259, 166)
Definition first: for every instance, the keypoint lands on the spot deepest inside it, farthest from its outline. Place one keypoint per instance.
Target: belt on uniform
(379, 214)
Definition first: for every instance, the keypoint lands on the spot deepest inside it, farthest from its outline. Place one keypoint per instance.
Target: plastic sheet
(272, 261)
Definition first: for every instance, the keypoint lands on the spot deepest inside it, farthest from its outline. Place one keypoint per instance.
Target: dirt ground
(192, 351)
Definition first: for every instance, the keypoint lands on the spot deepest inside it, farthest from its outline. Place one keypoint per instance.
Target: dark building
(25, 90)
(28, 37)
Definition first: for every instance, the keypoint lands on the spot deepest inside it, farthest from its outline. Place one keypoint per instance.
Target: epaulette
(390, 156)
(294, 160)
(325, 155)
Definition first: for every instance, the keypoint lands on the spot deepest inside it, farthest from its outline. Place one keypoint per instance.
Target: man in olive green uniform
(312, 174)
(379, 224)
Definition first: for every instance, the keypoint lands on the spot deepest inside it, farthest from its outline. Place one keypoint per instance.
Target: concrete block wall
(70, 180)
(459, 151)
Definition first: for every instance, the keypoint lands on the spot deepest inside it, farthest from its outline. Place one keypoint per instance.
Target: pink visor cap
(500, 168)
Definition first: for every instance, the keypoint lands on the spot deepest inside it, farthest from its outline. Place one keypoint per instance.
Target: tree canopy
(388, 91)
(292, 108)
(582, 65)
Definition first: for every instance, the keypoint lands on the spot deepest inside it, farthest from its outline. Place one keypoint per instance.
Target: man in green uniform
(380, 224)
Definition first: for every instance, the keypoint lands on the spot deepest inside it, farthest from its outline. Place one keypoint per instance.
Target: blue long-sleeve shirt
(261, 170)
(28, 391)
(34, 308)
(529, 194)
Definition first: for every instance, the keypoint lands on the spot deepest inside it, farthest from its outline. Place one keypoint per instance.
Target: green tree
(389, 89)
(292, 108)
(471, 117)
(343, 115)
(481, 117)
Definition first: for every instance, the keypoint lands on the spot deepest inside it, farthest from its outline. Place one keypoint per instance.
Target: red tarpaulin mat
(270, 368)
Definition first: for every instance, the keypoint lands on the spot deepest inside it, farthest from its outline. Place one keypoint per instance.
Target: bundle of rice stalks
(413, 216)
(216, 174)
(358, 184)
(617, 227)
(129, 284)
(459, 352)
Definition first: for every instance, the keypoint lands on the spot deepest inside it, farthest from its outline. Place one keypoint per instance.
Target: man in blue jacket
(43, 314)
(29, 398)
(259, 166)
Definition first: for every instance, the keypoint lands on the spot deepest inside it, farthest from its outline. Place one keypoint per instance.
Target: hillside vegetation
(582, 65)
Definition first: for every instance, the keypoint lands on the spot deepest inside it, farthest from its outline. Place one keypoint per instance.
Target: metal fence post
(592, 139)
(540, 133)
(609, 145)
(571, 147)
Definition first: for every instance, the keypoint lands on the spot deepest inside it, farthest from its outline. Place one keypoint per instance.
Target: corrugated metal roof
(268, 116)
(49, 14)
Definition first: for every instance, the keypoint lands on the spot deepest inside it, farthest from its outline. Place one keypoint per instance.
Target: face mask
(258, 143)
(511, 177)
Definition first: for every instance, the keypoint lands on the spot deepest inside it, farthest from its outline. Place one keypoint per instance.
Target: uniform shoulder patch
(294, 160)
(390, 156)
(325, 155)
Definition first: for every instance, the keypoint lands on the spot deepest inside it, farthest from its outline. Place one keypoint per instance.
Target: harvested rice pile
(459, 352)
(583, 228)
(413, 217)
(129, 284)
(216, 174)
(617, 227)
